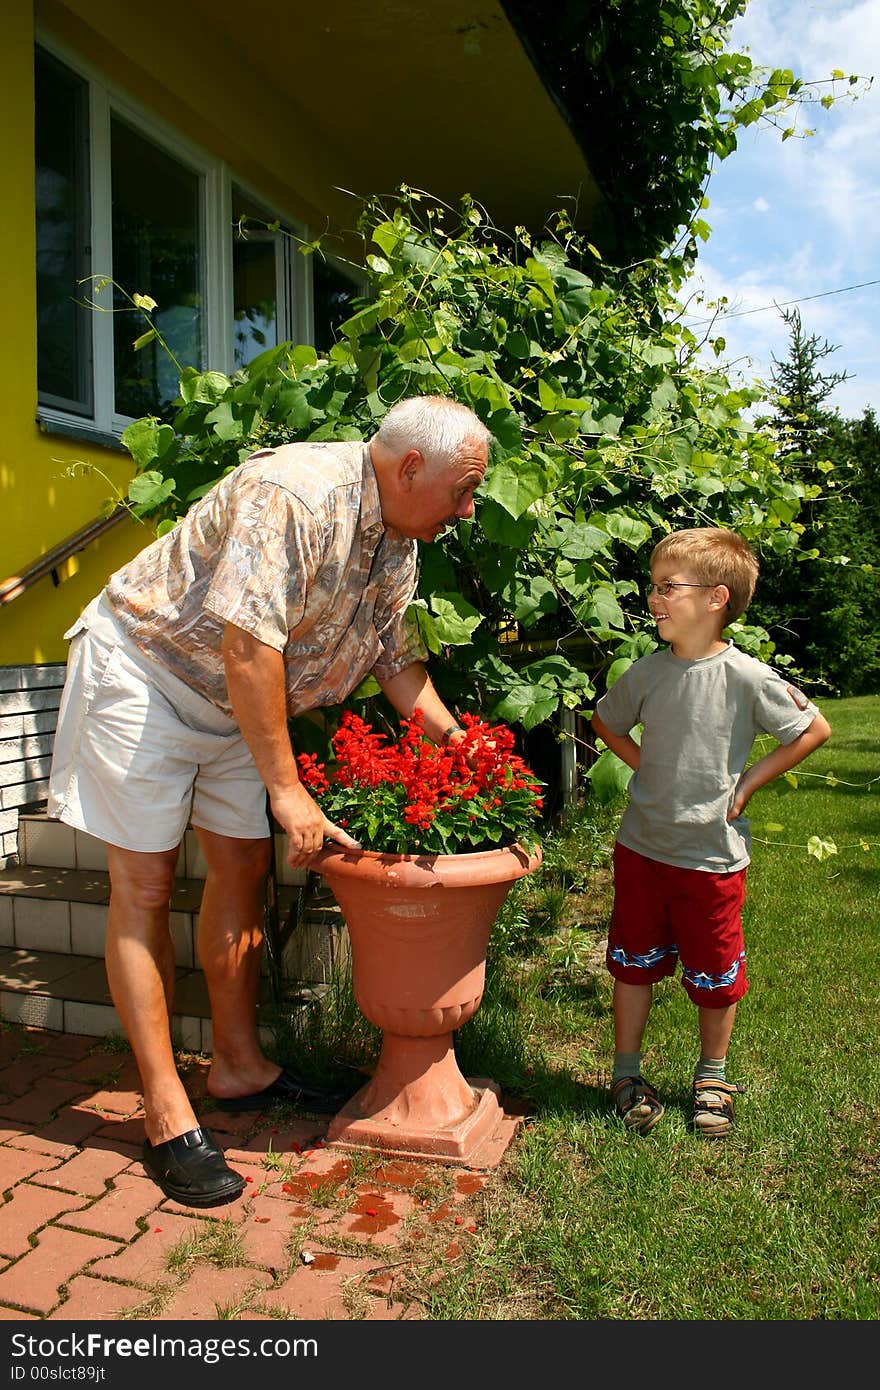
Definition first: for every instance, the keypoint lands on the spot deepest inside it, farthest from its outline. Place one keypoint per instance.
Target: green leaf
(147, 440)
(226, 424)
(609, 776)
(530, 599)
(150, 489)
(819, 848)
(625, 528)
(603, 609)
(664, 396)
(579, 542)
(616, 670)
(501, 528)
(203, 386)
(515, 483)
(148, 337)
(528, 705)
(455, 619)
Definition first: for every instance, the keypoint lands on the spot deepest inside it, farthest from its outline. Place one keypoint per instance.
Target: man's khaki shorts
(138, 755)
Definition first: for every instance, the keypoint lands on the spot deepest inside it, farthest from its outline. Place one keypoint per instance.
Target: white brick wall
(29, 700)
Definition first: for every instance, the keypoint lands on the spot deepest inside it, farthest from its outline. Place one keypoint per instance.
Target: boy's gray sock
(711, 1069)
(626, 1064)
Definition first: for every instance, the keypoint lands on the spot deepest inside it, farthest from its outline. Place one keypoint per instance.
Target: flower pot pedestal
(419, 927)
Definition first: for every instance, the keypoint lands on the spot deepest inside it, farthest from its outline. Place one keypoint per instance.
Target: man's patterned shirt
(289, 546)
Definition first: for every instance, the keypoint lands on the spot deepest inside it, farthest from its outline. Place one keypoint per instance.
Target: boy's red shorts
(663, 914)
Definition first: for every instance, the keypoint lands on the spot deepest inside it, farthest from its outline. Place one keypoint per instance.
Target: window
(120, 195)
(64, 340)
(260, 280)
(333, 292)
(158, 249)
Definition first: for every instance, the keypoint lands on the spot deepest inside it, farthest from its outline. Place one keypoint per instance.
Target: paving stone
(17, 1164)
(118, 1212)
(96, 1300)
(268, 1228)
(12, 1042)
(10, 1131)
(25, 1072)
(34, 1281)
(144, 1261)
(129, 1131)
(71, 1045)
(96, 1066)
(39, 1105)
(319, 1294)
(28, 1209)
(377, 1216)
(223, 1122)
(209, 1291)
(115, 1102)
(61, 1136)
(86, 1172)
(281, 1138)
(404, 1173)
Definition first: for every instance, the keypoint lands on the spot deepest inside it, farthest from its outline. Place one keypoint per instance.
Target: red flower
(413, 797)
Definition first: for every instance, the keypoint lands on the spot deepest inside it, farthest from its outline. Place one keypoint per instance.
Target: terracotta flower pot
(419, 927)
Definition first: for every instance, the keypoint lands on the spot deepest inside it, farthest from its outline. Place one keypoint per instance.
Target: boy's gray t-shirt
(699, 720)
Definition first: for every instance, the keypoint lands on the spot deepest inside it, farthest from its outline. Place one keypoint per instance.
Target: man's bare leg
(230, 949)
(140, 971)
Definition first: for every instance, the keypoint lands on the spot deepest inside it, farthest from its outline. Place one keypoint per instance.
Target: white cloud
(797, 220)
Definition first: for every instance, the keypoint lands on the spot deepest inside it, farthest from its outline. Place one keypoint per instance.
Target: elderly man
(277, 593)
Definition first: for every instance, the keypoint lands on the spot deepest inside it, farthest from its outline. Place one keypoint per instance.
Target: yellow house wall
(38, 505)
(178, 70)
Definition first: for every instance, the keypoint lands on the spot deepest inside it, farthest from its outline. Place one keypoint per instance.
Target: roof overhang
(436, 94)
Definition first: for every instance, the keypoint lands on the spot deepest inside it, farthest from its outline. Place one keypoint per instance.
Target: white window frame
(293, 275)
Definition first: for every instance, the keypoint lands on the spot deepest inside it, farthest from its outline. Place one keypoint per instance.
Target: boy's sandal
(637, 1103)
(713, 1114)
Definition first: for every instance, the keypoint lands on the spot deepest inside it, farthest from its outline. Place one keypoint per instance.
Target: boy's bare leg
(716, 1026)
(140, 970)
(637, 1103)
(230, 949)
(632, 1004)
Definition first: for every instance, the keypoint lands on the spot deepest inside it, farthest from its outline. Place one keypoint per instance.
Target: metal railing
(48, 564)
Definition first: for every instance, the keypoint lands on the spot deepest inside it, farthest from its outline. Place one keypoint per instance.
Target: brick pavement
(318, 1233)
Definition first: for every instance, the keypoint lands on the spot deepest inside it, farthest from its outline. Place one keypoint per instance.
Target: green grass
(781, 1221)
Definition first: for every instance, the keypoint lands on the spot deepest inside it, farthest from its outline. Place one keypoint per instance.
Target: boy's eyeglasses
(665, 589)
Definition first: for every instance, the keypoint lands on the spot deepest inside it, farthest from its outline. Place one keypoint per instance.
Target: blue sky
(802, 218)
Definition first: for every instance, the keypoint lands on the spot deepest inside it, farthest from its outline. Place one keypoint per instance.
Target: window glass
(64, 329)
(332, 294)
(256, 317)
(157, 250)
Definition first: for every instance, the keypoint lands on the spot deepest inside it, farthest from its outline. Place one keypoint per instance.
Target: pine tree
(820, 608)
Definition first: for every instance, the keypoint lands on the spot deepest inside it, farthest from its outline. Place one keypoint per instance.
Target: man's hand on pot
(306, 826)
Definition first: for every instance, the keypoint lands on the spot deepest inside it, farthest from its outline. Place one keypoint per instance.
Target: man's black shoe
(191, 1169)
(288, 1089)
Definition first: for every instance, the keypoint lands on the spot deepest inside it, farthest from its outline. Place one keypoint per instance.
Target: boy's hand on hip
(741, 799)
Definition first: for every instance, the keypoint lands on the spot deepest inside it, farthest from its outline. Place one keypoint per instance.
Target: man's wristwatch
(447, 734)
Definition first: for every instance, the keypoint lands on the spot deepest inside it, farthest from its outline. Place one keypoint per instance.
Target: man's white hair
(438, 427)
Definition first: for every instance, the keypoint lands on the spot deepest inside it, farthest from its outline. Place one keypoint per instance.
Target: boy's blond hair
(713, 556)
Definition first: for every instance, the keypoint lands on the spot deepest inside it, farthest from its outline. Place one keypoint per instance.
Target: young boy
(683, 844)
